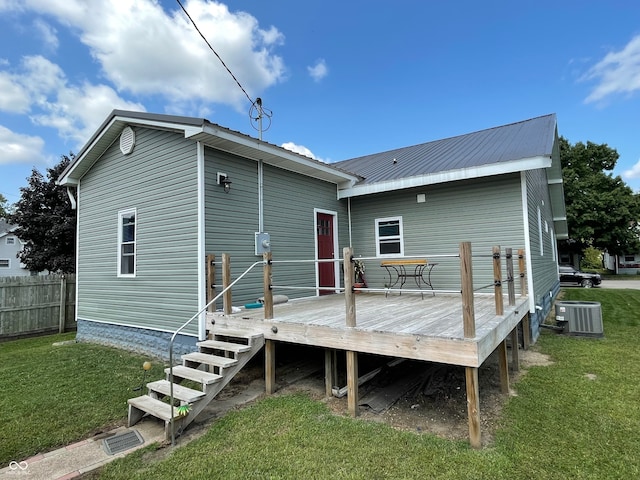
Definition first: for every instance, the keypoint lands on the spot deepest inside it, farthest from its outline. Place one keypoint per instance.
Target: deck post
(523, 276)
(226, 281)
(352, 382)
(497, 281)
(466, 281)
(515, 354)
(511, 288)
(211, 280)
(473, 406)
(268, 291)
(503, 366)
(270, 366)
(349, 297)
(329, 377)
(526, 332)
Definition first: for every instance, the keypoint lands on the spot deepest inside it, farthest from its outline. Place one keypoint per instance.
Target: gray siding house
(152, 203)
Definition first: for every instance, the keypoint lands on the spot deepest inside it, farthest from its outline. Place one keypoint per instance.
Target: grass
(56, 395)
(578, 418)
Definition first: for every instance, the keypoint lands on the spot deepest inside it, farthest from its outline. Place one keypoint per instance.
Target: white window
(11, 240)
(4, 263)
(389, 240)
(127, 243)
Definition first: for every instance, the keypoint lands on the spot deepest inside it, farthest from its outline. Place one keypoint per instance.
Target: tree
(3, 207)
(602, 211)
(46, 222)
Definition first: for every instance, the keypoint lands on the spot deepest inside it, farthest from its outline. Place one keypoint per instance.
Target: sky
(342, 78)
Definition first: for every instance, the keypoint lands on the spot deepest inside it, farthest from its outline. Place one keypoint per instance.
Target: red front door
(326, 270)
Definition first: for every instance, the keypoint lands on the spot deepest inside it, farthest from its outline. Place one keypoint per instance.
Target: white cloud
(41, 89)
(617, 72)
(17, 148)
(319, 70)
(145, 50)
(633, 172)
(48, 34)
(301, 149)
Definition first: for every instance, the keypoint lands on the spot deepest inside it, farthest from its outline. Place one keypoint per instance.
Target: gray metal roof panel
(516, 141)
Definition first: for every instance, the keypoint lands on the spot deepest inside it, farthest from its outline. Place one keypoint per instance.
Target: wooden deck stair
(209, 370)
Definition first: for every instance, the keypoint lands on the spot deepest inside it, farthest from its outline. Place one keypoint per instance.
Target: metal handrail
(173, 337)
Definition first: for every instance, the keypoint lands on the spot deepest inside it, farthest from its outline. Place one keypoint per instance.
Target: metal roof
(509, 148)
(199, 129)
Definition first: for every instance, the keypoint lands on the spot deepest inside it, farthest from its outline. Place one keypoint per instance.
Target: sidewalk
(82, 457)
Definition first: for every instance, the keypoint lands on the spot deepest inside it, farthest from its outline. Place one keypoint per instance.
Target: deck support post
(349, 297)
(526, 332)
(329, 371)
(270, 366)
(352, 382)
(503, 366)
(227, 301)
(511, 288)
(515, 354)
(473, 406)
(523, 276)
(211, 281)
(268, 291)
(497, 281)
(466, 280)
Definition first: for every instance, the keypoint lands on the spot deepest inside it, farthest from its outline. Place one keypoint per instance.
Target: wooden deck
(404, 326)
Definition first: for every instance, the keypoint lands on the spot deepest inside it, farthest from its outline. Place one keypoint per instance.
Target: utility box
(580, 318)
(263, 243)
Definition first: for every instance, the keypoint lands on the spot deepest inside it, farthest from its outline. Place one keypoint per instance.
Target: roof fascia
(448, 176)
(261, 148)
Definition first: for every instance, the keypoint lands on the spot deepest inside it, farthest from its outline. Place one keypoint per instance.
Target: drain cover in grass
(122, 442)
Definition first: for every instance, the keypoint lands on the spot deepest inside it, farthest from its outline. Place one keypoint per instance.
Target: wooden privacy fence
(39, 304)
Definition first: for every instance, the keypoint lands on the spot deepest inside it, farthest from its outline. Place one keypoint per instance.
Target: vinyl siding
(159, 180)
(289, 203)
(486, 212)
(545, 270)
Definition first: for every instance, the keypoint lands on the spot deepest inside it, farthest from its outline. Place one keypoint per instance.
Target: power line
(215, 53)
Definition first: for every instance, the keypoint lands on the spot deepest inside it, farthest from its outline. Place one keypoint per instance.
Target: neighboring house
(10, 246)
(627, 264)
(151, 205)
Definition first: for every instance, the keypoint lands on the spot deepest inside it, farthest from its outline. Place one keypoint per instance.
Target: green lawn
(578, 418)
(55, 395)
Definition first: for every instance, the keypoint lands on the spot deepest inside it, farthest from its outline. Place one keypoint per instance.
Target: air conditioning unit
(580, 318)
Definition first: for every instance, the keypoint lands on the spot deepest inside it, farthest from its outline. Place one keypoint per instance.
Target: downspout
(202, 293)
(72, 199)
(349, 212)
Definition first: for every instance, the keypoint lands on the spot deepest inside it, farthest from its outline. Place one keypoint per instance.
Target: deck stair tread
(227, 346)
(154, 407)
(208, 359)
(237, 333)
(187, 373)
(184, 394)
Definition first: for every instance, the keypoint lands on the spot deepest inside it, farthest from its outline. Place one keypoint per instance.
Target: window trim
(121, 214)
(400, 237)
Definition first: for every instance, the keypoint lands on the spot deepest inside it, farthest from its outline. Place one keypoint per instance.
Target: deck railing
(467, 288)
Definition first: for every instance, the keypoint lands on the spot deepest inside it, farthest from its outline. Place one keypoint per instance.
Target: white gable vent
(127, 140)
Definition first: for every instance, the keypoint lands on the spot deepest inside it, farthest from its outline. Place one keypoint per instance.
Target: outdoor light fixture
(226, 183)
